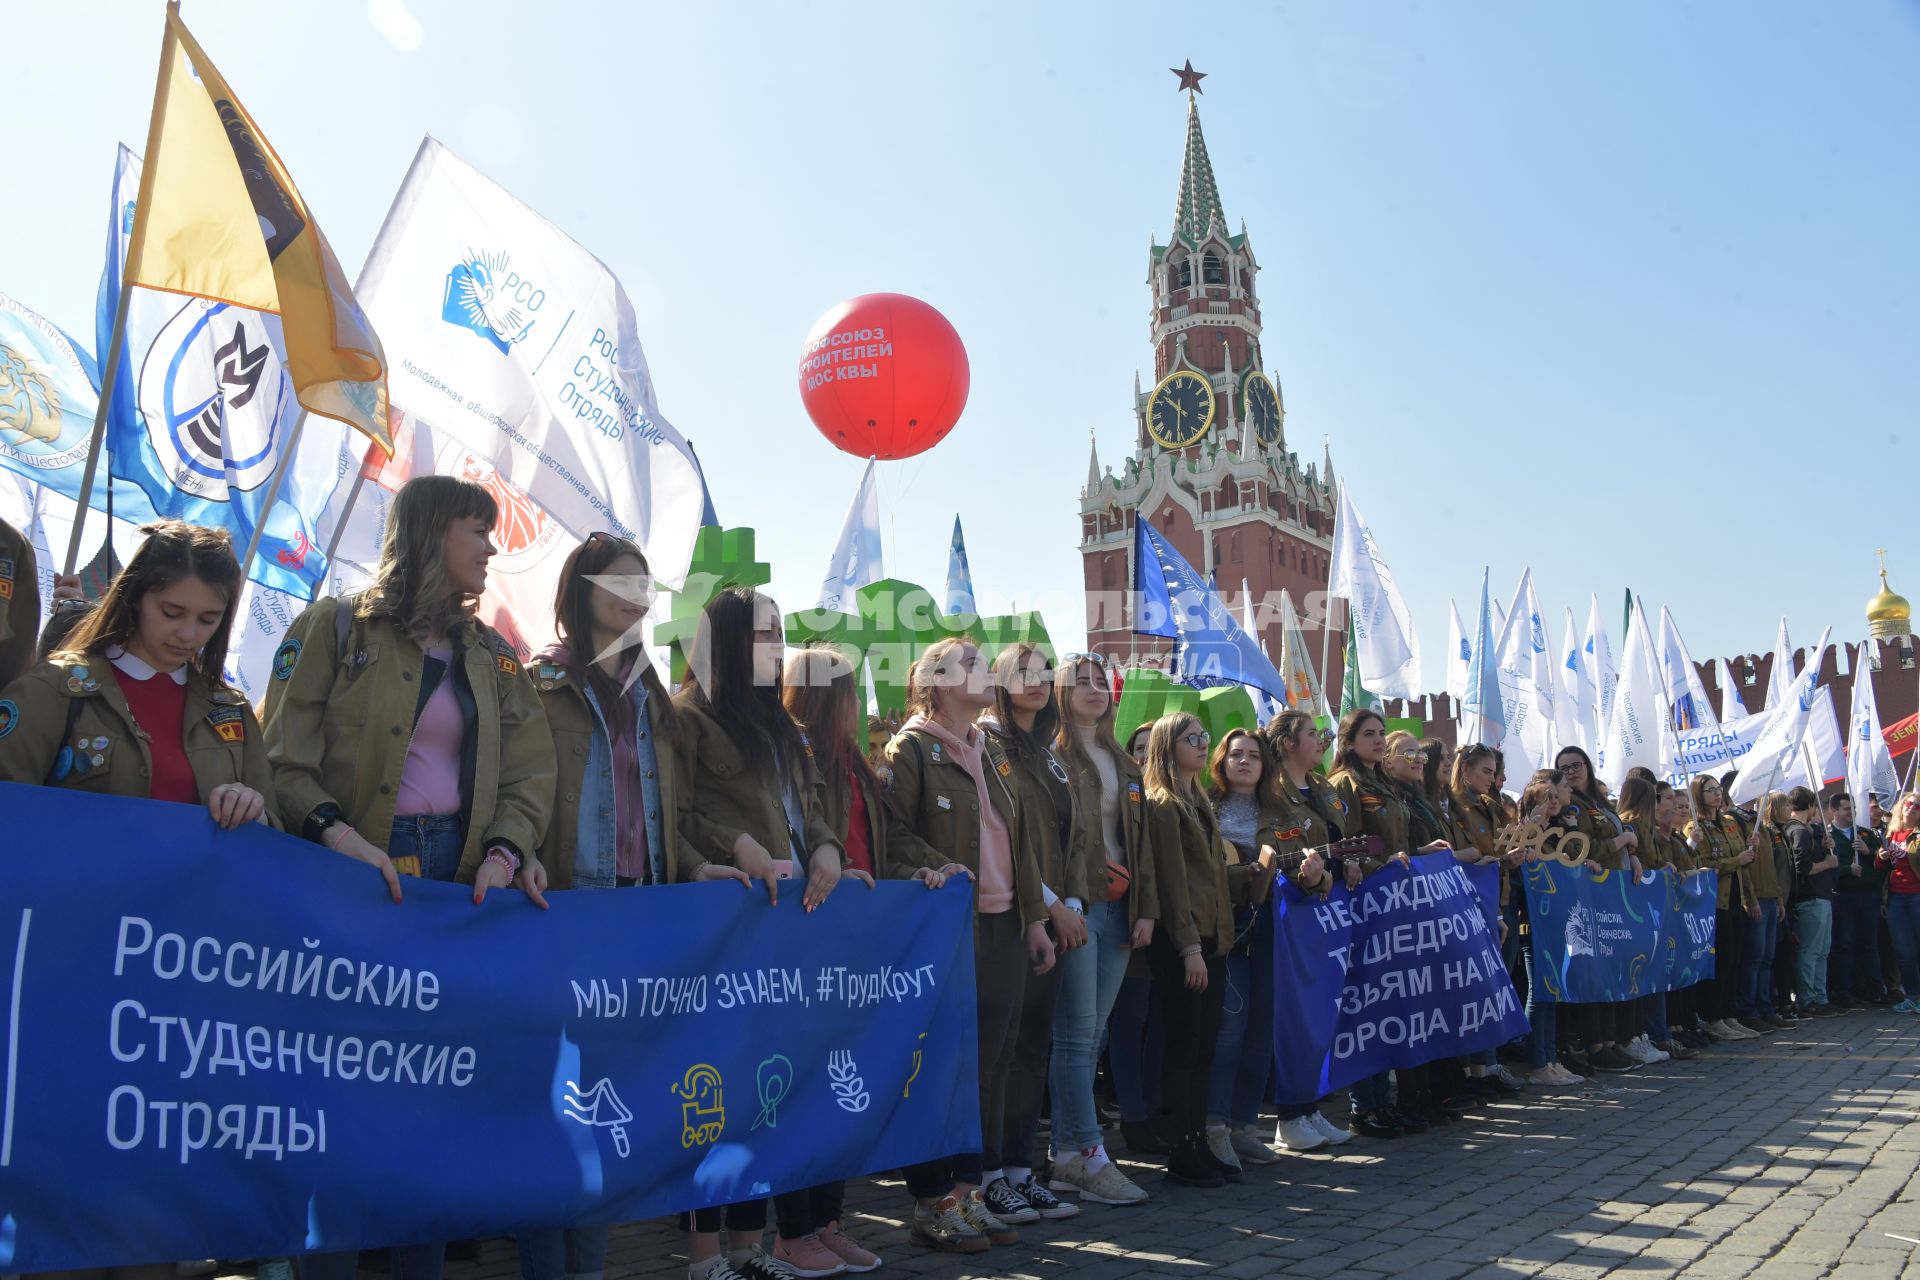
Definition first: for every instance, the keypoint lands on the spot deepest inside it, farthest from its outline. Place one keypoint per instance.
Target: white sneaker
(1636, 1049)
(1299, 1134)
(1650, 1052)
(1738, 1032)
(1220, 1143)
(1333, 1133)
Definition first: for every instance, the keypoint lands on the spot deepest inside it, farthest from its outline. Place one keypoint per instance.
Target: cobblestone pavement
(1793, 1156)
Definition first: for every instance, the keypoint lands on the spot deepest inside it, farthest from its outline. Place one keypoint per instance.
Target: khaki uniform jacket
(573, 723)
(19, 605)
(105, 753)
(1064, 868)
(1602, 826)
(1653, 850)
(1191, 871)
(1143, 898)
(339, 718)
(924, 832)
(1680, 854)
(1718, 844)
(722, 797)
(1297, 826)
(1479, 825)
(1382, 812)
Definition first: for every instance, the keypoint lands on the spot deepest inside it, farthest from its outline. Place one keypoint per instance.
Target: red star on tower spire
(1189, 78)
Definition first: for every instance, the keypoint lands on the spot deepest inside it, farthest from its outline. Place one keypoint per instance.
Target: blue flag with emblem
(1172, 599)
(234, 1072)
(1602, 936)
(203, 412)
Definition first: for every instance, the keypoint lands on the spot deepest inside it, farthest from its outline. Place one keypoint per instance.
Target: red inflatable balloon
(884, 376)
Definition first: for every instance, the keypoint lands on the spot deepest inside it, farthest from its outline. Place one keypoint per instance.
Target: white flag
(1459, 655)
(1824, 750)
(514, 340)
(1483, 716)
(1527, 685)
(1631, 735)
(1780, 678)
(1386, 650)
(1576, 708)
(1869, 764)
(1732, 709)
(1764, 767)
(856, 557)
(1600, 668)
(1296, 669)
(1689, 716)
(1265, 705)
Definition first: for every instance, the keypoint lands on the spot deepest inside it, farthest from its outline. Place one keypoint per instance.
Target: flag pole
(108, 377)
(280, 469)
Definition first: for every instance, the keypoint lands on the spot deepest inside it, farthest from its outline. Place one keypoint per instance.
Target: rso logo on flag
(485, 295)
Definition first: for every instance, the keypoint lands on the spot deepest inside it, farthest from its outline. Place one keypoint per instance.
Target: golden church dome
(1888, 613)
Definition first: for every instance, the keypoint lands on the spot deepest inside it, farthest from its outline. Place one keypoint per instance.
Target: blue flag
(1483, 714)
(959, 576)
(244, 1070)
(203, 412)
(1401, 972)
(1172, 599)
(1604, 936)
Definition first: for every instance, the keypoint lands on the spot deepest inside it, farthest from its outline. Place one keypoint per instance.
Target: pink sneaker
(807, 1256)
(856, 1258)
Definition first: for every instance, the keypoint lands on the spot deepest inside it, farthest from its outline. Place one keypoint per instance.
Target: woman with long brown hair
(1603, 1027)
(616, 820)
(1189, 949)
(404, 734)
(1723, 845)
(1121, 910)
(136, 703)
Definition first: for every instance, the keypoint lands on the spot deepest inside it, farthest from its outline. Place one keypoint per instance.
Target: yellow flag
(219, 218)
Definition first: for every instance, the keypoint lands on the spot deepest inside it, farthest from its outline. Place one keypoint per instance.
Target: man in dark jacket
(1853, 966)
(1814, 864)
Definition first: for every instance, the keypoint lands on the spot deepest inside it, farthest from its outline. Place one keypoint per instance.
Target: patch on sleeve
(285, 659)
(1133, 792)
(229, 723)
(508, 667)
(885, 772)
(9, 716)
(6, 578)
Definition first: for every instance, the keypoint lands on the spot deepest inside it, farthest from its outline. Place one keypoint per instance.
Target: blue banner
(233, 1044)
(1402, 971)
(1602, 935)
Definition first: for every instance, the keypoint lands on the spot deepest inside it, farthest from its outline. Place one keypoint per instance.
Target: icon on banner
(703, 1112)
(849, 1090)
(599, 1108)
(29, 402)
(485, 295)
(212, 392)
(775, 1080)
(1580, 931)
(907, 1089)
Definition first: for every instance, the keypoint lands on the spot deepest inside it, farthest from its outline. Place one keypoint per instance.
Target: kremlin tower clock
(1210, 468)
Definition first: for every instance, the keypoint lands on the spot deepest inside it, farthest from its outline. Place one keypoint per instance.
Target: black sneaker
(1374, 1124)
(761, 1265)
(1825, 1011)
(1192, 1165)
(1009, 1205)
(1405, 1119)
(1612, 1060)
(1044, 1202)
(1577, 1062)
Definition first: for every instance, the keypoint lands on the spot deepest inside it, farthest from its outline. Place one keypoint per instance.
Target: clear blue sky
(1623, 292)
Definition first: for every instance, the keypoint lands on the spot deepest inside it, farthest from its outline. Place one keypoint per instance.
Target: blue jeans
(435, 838)
(1543, 1022)
(1756, 978)
(1089, 982)
(577, 1253)
(1134, 1046)
(1813, 925)
(1243, 1055)
(1653, 1017)
(1903, 922)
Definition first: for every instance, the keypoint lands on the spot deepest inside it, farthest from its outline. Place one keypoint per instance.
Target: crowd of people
(1123, 891)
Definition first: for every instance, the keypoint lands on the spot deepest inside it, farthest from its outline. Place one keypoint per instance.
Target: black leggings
(1027, 1082)
(1729, 957)
(1000, 981)
(1192, 1023)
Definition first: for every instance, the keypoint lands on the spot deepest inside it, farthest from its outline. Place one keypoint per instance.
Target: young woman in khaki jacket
(1188, 952)
(752, 798)
(953, 810)
(1122, 906)
(616, 794)
(403, 732)
(136, 704)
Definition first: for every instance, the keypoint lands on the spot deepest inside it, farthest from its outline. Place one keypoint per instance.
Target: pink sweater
(996, 846)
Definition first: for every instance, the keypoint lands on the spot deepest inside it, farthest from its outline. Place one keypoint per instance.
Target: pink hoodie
(996, 847)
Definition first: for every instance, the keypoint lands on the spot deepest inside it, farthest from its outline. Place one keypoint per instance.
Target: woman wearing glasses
(1196, 928)
(1605, 1027)
(1121, 910)
(1307, 817)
